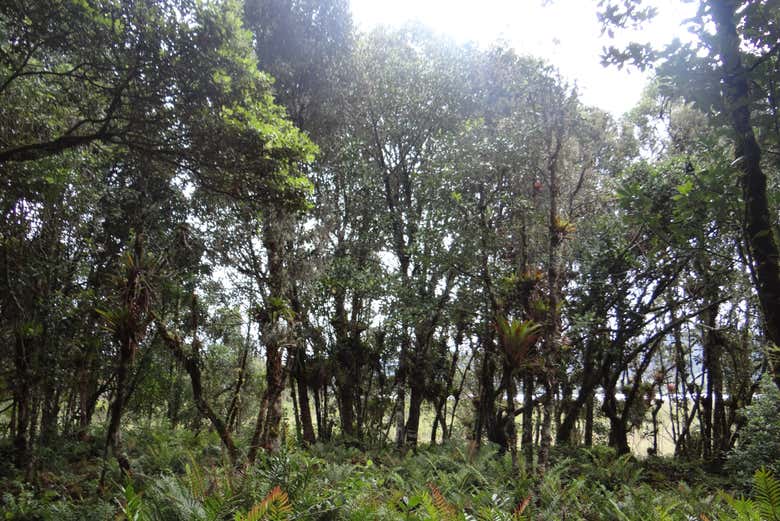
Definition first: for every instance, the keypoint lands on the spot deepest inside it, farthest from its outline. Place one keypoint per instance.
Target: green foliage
(766, 491)
(765, 504)
(518, 337)
(133, 506)
(25, 504)
(759, 440)
(444, 483)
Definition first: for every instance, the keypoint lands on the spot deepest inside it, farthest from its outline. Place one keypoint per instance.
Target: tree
(405, 107)
(124, 114)
(745, 39)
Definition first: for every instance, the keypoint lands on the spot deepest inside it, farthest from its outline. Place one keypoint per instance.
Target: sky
(564, 32)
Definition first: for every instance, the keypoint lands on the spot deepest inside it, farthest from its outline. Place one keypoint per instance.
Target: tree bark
(547, 416)
(305, 409)
(21, 395)
(528, 430)
(413, 422)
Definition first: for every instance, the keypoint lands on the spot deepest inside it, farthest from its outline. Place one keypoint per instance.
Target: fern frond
(274, 507)
(766, 493)
(134, 507)
(519, 509)
(446, 511)
(745, 509)
(665, 513)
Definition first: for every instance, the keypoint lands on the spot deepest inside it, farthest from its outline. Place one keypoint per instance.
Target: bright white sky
(565, 32)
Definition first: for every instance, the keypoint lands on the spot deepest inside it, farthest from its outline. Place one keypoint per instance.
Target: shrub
(759, 439)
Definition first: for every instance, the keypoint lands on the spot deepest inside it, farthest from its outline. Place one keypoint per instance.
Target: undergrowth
(177, 477)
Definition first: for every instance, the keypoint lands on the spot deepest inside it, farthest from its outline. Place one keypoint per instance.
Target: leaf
(685, 188)
(766, 492)
(274, 507)
(444, 509)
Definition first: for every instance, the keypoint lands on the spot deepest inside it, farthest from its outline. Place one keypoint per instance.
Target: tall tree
(744, 39)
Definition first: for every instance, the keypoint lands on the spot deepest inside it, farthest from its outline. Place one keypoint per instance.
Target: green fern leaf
(766, 492)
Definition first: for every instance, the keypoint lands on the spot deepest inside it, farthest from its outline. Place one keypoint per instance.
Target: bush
(759, 439)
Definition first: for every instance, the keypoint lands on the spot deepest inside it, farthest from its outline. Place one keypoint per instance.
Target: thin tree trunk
(275, 386)
(553, 330)
(254, 443)
(21, 395)
(113, 439)
(191, 364)
(546, 434)
(413, 422)
(400, 384)
(296, 410)
(589, 421)
(318, 414)
(232, 412)
(511, 429)
(528, 425)
(305, 410)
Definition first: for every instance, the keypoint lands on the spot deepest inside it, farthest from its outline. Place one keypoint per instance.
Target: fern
(765, 505)
(766, 493)
(134, 507)
(665, 513)
(517, 513)
(274, 507)
(744, 509)
(446, 511)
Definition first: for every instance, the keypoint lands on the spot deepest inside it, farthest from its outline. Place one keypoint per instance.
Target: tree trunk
(191, 364)
(296, 411)
(255, 441)
(274, 325)
(590, 380)
(400, 385)
(413, 422)
(528, 426)
(235, 400)
(552, 341)
(271, 438)
(305, 408)
(346, 407)
(618, 435)
(547, 417)
(113, 438)
(21, 395)
(588, 437)
(318, 415)
(486, 407)
(509, 427)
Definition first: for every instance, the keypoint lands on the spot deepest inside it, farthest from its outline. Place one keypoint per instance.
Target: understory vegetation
(257, 264)
(179, 476)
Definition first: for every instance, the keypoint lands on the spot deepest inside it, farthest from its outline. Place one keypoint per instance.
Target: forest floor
(177, 474)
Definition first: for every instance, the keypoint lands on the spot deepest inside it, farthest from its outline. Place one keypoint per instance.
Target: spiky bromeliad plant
(518, 337)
